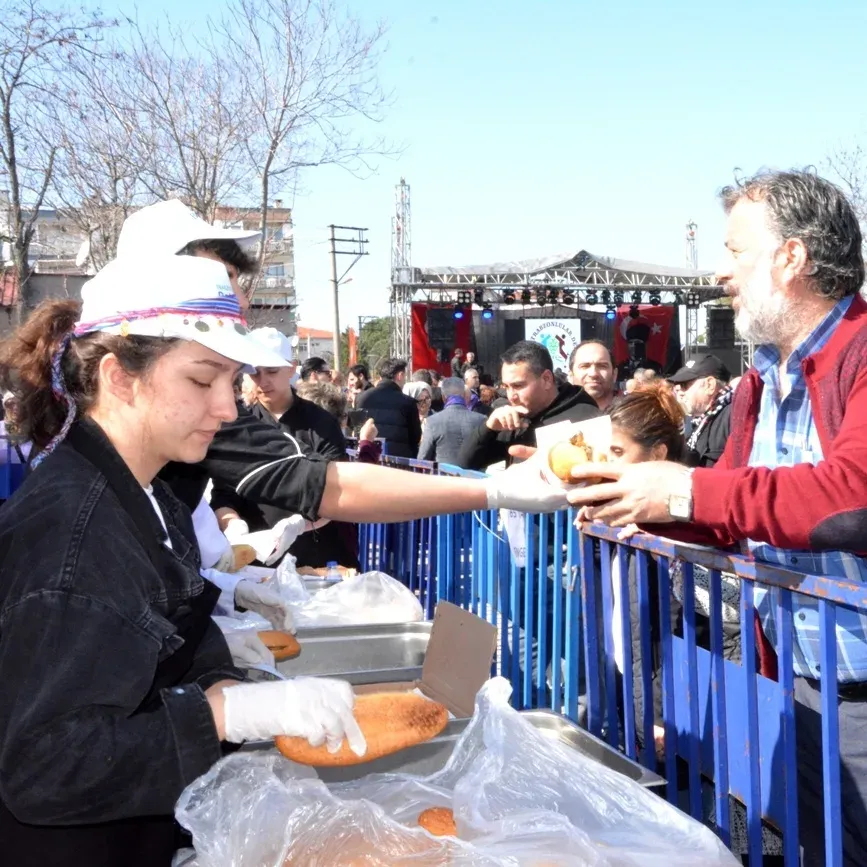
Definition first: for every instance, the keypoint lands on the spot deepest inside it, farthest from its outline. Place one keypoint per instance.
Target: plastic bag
(520, 799)
(373, 597)
(289, 583)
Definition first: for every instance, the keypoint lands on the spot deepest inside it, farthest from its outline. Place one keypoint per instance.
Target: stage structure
(580, 279)
(401, 273)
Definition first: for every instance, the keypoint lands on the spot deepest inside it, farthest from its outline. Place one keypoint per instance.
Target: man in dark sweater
(394, 413)
(535, 399)
(703, 391)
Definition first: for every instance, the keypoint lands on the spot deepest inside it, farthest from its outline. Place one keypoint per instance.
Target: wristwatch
(680, 499)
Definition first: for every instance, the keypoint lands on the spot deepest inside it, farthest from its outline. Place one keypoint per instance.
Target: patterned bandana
(721, 401)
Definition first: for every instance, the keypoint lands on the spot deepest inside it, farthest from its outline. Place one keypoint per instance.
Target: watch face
(678, 507)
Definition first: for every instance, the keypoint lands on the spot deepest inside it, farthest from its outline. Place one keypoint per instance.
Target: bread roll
(439, 821)
(570, 453)
(282, 644)
(244, 556)
(390, 721)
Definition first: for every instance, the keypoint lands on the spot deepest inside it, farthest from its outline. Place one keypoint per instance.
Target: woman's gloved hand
(248, 649)
(235, 530)
(266, 602)
(315, 708)
(525, 488)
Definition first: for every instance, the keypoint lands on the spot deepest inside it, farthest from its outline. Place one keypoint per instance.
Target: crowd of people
(118, 685)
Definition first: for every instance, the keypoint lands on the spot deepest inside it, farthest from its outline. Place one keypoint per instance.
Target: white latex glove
(524, 488)
(315, 708)
(235, 529)
(248, 649)
(271, 545)
(266, 602)
(291, 528)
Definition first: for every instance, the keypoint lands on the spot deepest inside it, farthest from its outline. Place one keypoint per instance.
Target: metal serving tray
(381, 653)
(315, 585)
(430, 757)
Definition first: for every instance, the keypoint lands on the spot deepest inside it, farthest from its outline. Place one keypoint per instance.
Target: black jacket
(256, 460)
(711, 441)
(103, 715)
(396, 418)
(312, 431)
(484, 447)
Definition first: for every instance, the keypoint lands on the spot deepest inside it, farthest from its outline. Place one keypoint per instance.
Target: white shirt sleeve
(212, 543)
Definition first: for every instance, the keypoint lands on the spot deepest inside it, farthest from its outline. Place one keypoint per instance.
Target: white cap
(274, 340)
(186, 297)
(167, 227)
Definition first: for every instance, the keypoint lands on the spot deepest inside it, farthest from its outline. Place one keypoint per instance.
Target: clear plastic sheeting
(373, 597)
(520, 799)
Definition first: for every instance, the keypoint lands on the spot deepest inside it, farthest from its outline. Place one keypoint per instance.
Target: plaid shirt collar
(767, 358)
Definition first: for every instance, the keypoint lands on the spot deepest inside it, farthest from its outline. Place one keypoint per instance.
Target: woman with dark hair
(117, 687)
(646, 425)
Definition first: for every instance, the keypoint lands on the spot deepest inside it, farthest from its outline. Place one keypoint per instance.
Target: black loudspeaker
(720, 327)
(440, 328)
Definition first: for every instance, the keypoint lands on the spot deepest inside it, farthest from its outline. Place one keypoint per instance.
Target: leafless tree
(308, 72)
(35, 44)
(99, 172)
(848, 162)
(191, 120)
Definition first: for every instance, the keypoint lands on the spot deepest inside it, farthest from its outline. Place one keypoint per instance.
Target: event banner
(558, 336)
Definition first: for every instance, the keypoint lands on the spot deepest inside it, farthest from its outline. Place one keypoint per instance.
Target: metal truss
(601, 278)
(401, 322)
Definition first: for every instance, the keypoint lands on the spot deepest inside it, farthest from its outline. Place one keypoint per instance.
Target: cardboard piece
(457, 663)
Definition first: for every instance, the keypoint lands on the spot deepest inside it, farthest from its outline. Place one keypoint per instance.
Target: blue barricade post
(587, 628)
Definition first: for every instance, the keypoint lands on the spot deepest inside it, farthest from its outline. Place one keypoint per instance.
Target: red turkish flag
(352, 340)
(651, 328)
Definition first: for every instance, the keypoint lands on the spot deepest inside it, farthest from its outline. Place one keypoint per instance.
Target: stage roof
(581, 269)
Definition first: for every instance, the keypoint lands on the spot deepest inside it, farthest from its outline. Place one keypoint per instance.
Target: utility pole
(357, 247)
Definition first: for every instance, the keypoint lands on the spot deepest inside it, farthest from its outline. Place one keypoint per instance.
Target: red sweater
(821, 507)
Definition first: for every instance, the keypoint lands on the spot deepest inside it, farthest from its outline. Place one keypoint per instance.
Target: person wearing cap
(702, 389)
(254, 457)
(311, 430)
(118, 689)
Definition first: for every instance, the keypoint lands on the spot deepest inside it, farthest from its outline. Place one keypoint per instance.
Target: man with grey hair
(791, 486)
(445, 432)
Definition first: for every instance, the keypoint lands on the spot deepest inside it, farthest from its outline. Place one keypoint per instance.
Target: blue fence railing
(11, 468)
(586, 627)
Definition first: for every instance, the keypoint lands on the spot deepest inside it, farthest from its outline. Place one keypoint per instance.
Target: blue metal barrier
(11, 468)
(731, 728)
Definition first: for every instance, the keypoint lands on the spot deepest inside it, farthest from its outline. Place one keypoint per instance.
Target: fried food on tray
(244, 556)
(439, 821)
(283, 645)
(390, 721)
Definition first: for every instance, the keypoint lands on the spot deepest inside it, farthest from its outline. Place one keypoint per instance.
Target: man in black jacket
(394, 413)
(703, 391)
(535, 399)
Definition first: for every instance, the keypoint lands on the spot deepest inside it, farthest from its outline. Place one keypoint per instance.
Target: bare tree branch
(36, 43)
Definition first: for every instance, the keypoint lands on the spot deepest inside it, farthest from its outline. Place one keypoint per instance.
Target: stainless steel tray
(315, 585)
(432, 756)
(382, 653)
(427, 758)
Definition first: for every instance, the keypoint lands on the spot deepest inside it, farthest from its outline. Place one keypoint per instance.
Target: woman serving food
(116, 687)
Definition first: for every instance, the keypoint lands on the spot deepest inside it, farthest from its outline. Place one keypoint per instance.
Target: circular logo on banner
(558, 336)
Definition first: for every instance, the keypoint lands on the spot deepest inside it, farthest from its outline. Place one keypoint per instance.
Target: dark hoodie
(484, 447)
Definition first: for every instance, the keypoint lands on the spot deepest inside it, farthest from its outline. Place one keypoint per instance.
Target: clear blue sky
(534, 129)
